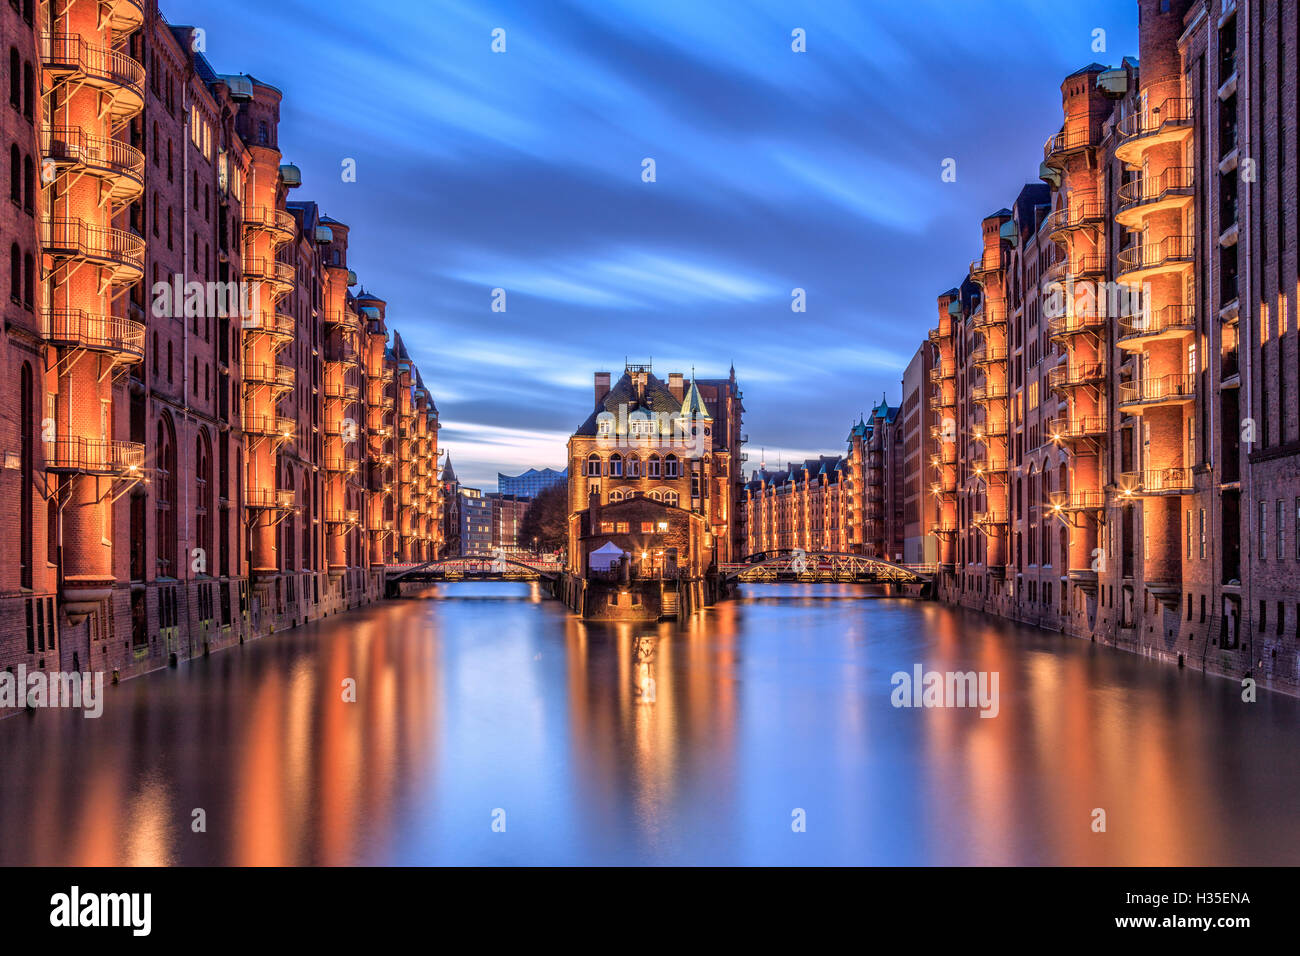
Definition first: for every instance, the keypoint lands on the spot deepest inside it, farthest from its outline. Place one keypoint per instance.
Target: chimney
(593, 512)
(676, 385)
(602, 386)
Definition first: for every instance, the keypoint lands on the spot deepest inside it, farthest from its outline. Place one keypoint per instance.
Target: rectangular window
(1202, 529)
(663, 526)
(647, 527)
(1280, 531)
(607, 527)
(1189, 533)
(622, 527)
(1261, 548)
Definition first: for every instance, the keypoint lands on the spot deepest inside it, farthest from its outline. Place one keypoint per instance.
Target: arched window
(165, 497)
(26, 440)
(656, 495)
(15, 174)
(670, 466)
(633, 466)
(652, 467)
(15, 79)
(203, 498)
(29, 280)
(671, 498)
(616, 465)
(615, 495)
(15, 274)
(29, 91)
(593, 466)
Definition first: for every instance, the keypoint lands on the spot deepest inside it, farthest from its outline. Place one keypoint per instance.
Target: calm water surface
(485, 697)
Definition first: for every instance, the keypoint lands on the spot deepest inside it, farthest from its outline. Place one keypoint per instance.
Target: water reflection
(604, 743)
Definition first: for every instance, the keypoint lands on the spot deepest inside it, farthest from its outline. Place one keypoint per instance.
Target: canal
(492, 727)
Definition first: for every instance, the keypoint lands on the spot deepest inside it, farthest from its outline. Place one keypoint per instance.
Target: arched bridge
(795, 564)
(484, 567)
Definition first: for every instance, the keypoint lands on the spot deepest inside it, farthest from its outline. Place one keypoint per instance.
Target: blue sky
(775, 170)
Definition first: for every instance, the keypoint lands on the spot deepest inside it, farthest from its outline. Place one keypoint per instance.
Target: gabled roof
(655, 398)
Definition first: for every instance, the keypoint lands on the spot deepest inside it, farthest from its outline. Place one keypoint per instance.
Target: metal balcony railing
(1069, 427)
(1074, 374)
(1170, 250)
(1171, 318)
(1146, 189)
(275, 376)
(109, 334)
(107, 70)
(95, 456)
(1174, 111)
(270, 219)
(1178, 386)
(274, 499)
(121, 251)
(1158, 481)
(121, 164)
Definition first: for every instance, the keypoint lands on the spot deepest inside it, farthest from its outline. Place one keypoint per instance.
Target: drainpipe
(1251, 11)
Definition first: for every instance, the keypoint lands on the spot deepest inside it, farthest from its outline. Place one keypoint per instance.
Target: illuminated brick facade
(1116, 381)
(206, 434)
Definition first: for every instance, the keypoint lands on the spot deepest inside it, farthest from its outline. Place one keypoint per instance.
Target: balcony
(1167, 122)
(1078, 500)
(947, 484)
(1068, 428)
(989, 392)
(943, 370)
(120, 339)
(990, 520)
(1157, 390)
(988, 465)
(343, 517)
(1157, 481)
(1145, 195)
(340, 465)
(118, 165)
(342, 392)
(935, 336)
(986, 354)
(95, 456)
(1067, 219)
(990, 428)
(277, 223)
(1075, 323)
(944, 526)
(279, 276)
(268, 499)
(1066, 143)
(988, 318)
(981, 273)
(124, 16)
(1139, 329)
(116, 76)
(270, 426)
(279, 325)
(1075, 375)
(279, 378)
(121, 253)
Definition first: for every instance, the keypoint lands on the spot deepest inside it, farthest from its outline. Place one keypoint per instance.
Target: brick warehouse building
(183, 469)
(853, 503)
(1117, 397)
(674, 442)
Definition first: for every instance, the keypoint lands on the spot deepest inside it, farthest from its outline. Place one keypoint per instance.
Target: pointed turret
(693, 406)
